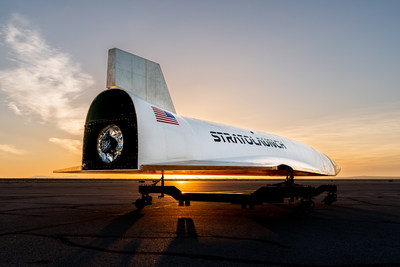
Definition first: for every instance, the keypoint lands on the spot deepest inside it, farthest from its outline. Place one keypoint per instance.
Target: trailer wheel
(330, 198)
(306, 206)
(139, 203)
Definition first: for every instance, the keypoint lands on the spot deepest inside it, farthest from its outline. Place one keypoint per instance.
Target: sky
(324, 73)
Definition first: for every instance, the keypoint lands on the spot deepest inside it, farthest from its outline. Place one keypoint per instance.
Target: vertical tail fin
(138, 76)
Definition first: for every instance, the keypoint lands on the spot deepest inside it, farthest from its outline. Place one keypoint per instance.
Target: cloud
(45, 81)
(14, 107)
(74, 146)
(12, 150)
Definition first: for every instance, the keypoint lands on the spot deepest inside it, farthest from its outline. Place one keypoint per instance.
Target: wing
(246, 166)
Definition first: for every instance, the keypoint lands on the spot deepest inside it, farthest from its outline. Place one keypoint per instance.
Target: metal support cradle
(272, 193)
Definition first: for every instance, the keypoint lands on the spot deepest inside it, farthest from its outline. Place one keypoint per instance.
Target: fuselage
(155, 137)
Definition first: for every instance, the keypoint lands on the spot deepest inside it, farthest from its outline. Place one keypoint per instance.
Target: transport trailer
(271, 193)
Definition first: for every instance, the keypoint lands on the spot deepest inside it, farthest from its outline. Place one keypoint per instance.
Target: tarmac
(93, 223)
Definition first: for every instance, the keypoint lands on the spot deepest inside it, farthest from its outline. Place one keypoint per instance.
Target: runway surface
(93, 223)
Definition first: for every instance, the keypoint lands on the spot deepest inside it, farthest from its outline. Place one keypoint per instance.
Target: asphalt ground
(93, 223)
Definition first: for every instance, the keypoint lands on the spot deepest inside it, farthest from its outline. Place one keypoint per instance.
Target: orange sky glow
(324, 74)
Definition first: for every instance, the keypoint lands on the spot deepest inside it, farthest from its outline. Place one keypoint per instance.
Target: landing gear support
(290, 179)
(162, 184)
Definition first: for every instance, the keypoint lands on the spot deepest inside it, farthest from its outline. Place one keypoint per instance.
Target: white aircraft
(132, 127)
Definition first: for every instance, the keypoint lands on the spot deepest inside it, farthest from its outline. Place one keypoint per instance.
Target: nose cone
(335, 166)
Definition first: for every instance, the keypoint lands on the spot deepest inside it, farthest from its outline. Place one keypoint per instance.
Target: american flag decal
(164, 116)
